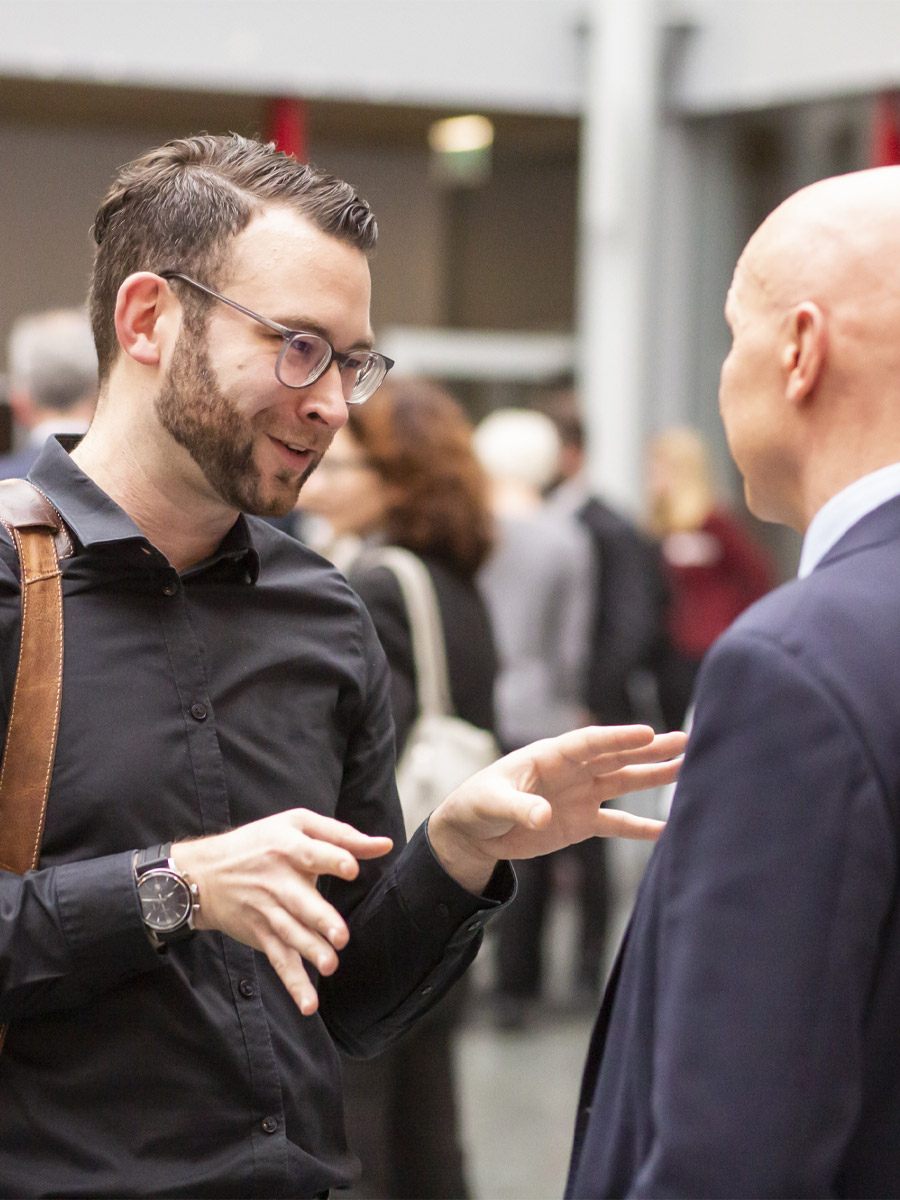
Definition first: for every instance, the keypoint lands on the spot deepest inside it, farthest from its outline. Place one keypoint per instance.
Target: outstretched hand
(549, 795)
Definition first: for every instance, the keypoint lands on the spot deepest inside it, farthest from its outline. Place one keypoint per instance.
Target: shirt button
(443, 911)
(426, 990)
(270, 1125)
(170, 589)
(198, 712)
(245, 987)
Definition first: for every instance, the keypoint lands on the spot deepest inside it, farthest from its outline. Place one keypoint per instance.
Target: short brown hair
(419, 440)
(176, 207)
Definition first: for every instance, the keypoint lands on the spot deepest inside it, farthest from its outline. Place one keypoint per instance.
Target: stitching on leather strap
(51, 753)
(12, 709)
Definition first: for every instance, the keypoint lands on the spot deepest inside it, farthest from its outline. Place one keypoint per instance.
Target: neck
(510, 498)
(840, 455)
(155, 485)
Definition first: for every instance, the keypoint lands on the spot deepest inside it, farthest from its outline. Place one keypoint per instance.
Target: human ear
(145, 311)
(805, 352)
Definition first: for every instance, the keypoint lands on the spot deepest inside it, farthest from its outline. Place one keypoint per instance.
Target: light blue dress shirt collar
(843, 511)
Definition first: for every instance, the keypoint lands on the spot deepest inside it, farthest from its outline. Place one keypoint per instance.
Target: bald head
(836, 243)
(810, 394)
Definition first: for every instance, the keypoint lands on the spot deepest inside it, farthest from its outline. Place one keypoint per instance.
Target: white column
(617, 184)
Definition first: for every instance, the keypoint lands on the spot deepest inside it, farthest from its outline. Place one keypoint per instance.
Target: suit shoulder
(856, 598)
(834, 629)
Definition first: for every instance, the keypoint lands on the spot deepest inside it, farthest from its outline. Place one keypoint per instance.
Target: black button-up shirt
(194, 702)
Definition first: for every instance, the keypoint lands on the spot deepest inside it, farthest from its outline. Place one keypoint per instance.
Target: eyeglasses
(304, 357)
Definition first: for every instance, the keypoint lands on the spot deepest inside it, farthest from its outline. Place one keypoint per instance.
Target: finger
(305, 905)
(312, 856)
(612, 822)
(511, 806)
(288, 966)
(304, 939)
(638, 778)
(665, 746)
(493, 811)
(582, 745)
(339, 833)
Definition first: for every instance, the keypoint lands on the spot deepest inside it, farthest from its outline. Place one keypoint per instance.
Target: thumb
(538, 811)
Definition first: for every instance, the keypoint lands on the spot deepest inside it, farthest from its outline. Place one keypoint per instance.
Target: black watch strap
(153, 858)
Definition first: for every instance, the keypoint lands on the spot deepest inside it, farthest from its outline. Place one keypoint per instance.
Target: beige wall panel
(512, 249)
(408, 286)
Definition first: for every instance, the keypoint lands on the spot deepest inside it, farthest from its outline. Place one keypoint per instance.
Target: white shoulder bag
(442, 749)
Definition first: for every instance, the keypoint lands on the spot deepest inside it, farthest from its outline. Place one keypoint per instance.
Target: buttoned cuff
(101, 916)
(434, 900)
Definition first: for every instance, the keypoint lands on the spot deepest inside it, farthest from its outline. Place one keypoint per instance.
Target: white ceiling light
(457, 135)
(461, 150)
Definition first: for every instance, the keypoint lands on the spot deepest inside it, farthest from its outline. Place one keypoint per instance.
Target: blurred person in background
(714, 568)
(629, 603)
(539, 584)
(402, 472)
(332, 510)
(52, 381)
(627, 626)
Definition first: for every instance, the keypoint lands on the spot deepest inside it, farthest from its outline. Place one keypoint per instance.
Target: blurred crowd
(555, 610)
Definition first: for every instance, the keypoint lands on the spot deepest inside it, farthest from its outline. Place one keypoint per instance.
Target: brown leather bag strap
(40, 537)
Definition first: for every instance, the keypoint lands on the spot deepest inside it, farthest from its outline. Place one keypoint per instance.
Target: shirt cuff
(432, 898)
(101, 915)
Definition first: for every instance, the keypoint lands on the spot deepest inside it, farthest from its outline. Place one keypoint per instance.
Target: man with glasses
(223, 821)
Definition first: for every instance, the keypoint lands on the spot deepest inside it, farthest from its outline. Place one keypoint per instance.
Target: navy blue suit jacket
(749, 1040)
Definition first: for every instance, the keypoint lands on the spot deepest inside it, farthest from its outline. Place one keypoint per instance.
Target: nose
(323, 401)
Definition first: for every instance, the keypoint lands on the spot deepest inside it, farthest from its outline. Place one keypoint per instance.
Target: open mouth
(292, 452)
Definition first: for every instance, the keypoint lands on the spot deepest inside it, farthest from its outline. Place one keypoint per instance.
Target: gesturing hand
(258, 885)
(548, 795)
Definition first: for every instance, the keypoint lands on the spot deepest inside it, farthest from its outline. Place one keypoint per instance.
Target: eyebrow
(308, 325)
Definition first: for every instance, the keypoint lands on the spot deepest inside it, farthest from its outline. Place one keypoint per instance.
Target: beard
(194, 410)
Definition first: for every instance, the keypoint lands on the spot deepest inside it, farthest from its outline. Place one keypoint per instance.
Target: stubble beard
(194, 410)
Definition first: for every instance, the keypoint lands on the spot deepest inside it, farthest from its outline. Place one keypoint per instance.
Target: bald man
(749, 1041)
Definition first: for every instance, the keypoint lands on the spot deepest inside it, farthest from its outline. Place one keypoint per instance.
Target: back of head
(836, 243)
(178, 207)
(419, 440)
(564, 410)
(52, 360)
(516, 445)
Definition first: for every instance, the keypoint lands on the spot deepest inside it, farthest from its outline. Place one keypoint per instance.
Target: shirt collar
(843, 511)
(96, 519)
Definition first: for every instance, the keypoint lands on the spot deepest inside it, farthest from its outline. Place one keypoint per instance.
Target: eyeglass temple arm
(273, 325)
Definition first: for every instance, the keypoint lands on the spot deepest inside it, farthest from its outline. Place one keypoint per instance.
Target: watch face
(165, 900)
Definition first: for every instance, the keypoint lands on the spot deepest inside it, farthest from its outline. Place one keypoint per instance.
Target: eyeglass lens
(306, 356)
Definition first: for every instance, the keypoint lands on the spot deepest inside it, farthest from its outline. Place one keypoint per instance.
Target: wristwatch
(168, 899)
